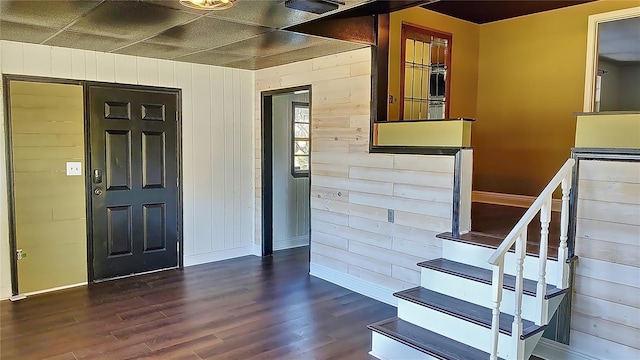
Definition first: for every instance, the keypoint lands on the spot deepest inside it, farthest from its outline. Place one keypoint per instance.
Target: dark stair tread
(426, 341)
(465, 310)
(492, 241)
(485, 276)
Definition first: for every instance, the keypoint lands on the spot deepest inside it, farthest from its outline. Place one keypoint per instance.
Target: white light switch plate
(74, 168)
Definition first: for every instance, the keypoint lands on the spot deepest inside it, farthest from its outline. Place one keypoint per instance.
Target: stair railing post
(516, 327)
(563, 251)
(541, 291)
(496, 298)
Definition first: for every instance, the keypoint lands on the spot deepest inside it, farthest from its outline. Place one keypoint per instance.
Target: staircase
(479, 302)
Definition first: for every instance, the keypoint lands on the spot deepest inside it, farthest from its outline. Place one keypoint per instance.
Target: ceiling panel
(210, 57)
(133, 20)
(72, 39)
(207, 33)
(271, 43)
(158, 51)
(328, 47)
(52, 14)
(25, 33)
(271, 13)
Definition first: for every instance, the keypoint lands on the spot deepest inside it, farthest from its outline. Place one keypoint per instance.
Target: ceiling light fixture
(208, 4)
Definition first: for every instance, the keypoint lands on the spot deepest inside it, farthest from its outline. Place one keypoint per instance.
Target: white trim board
(25, 295)
(551, 350)
(191, 260)
(523, 201)
(290, 243)
(354, 284)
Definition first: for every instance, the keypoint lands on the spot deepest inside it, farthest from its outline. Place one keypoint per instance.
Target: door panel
(134, 162)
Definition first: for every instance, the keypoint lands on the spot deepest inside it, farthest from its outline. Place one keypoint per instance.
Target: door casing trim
(266, 163)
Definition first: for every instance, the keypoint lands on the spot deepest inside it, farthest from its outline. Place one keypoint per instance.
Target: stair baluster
(496, 297)
(563, 251)
(541, 291)
(516, 328)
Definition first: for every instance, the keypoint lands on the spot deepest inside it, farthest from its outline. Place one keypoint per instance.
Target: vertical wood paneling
(246, 161)
(91, 65)
(78, 64)
(12, 58)
(346, 188)
(202, 175)
(218, 180)
(61, 63)
(228, 158)
(37, 60)
(5, 273)
(184, 81)
(605, 308)
(126, 69)
(218, 145)
(166, 73)
(148, 71)
(105, 67)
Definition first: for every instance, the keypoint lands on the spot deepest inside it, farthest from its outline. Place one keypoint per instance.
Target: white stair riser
(454, 328)
(385, 348)
(477, 293)
(479, 256)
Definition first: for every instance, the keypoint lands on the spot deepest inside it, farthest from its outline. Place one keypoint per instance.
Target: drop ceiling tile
(271, 13)
(158, 51)
(329, 47)
(175, 4)
(132, 20)
(271, 43)
(52, 14)
(76, 40)
(206, 33)
(23, 32)
(211, 58)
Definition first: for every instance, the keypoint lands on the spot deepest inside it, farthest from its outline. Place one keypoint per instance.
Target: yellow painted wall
(608, 131)
(464, 61)
(47, 130)
(531, 81)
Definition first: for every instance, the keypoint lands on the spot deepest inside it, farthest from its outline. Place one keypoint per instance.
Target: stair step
(492, 241)
(426, 341)
(465, 310)
(485, 276)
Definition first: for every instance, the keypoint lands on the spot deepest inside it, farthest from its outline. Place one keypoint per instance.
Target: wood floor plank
(245, 308)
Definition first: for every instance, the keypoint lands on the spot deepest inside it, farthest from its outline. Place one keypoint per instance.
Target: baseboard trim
(218, 255)
(291, 243)
(523, 201)
(552, 350)
(58, 288)
(354, 284)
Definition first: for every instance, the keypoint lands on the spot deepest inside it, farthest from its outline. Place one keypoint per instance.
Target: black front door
(134, 180)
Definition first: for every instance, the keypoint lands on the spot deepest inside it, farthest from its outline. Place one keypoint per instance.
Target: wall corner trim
(354, 284)
(551, 350)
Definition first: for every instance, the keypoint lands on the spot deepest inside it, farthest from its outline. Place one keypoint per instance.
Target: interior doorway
(286, 168)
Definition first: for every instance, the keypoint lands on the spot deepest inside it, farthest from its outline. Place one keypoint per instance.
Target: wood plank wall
(217, 126)
(605, 319)
(352, 243)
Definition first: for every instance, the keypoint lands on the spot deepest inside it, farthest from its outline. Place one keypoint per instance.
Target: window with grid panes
(426, 61)
(301, 139)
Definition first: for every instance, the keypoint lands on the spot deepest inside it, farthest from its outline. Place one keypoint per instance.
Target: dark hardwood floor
(498, 220)
(246, 308)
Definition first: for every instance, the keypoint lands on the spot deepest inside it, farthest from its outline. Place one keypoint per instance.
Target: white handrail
(518, 236)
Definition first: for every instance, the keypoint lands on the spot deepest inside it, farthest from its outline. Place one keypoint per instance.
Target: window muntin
(301, 139)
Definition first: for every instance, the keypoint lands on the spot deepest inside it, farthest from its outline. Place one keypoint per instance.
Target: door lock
(97, 192)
